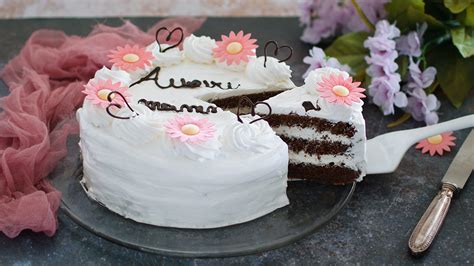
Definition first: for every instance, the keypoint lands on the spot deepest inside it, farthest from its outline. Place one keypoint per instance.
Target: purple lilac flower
(385, 29)
(385, 92)
(373, 9)
(423, 107)
(321, 19)
(418, 79)
(410, 44)
(326, 18)
(420, 106)
(380, 45)
(382, 64)
(385, 83)
(306, 11)
(317, 59)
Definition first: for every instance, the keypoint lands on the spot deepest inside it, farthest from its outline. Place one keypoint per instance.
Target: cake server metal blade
(385, 152)
(462, 165)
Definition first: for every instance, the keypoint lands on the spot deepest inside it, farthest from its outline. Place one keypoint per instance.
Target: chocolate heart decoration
(109, 98)
(168, 38)
(310, 106)
(245, 99)
(275, 51)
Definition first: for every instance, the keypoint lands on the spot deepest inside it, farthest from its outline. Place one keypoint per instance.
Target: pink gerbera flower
(131, 58)
(437, 144)
(340, 90)
(235, 48)
(97, 92)
(190, 129)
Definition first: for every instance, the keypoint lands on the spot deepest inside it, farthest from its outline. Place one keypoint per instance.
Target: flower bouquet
(403, 50)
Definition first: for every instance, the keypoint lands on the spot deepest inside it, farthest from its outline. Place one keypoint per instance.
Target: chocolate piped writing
(110, 99)
(275, 51)
(154, 74)
(158, 106)
(309, 106)
(168, 37)
(244, 101)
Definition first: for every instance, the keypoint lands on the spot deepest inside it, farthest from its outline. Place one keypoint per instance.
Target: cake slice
(322, 124)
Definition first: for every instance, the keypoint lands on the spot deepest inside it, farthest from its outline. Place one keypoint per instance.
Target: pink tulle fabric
(45, 82)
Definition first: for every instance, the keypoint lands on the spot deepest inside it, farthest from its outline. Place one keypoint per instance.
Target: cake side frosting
(164, 182)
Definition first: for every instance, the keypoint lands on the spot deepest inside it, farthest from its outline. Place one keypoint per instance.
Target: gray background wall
(114, 8)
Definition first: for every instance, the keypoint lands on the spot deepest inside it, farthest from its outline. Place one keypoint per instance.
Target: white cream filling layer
(311, 134)
(323, 160)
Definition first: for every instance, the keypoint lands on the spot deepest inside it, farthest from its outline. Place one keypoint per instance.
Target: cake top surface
(204, 69)
(232, 62)
(328, 93)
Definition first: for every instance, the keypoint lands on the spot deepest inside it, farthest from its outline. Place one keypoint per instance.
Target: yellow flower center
(190, 129)
(103, 93)
(130, 58)
(435, 139)
(234, 48)
(340, 90)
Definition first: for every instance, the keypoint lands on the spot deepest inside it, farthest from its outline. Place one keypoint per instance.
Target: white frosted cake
(158, 149)
(322, 124)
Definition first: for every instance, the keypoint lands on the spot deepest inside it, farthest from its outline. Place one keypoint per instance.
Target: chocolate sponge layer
(319, 124)
(327, 174)
(232, 102)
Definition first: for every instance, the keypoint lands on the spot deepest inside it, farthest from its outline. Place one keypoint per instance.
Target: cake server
(385, 152)
(453, 181)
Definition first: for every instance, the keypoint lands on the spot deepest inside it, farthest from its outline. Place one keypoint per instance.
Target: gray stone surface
(373, 229)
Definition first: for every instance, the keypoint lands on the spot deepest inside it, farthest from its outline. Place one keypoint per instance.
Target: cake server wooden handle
(431, 221)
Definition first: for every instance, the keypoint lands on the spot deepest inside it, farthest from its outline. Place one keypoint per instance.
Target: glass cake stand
(311, 205)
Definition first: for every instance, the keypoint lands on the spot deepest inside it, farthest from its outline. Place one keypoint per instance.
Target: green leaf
(457, 6)
(407, 13)
(454, 72)
(349, 49)
(469, 16)
(466, 18)
(463, 39)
